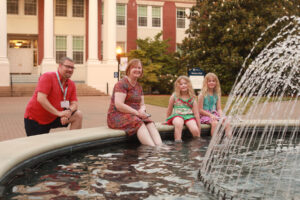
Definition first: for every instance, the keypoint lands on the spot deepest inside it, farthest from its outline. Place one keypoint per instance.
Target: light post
(119, 52)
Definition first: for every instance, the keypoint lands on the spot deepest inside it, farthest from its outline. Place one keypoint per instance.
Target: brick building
(34, 34)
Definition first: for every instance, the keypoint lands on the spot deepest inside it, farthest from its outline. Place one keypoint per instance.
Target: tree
(223, 32)
(158, 65)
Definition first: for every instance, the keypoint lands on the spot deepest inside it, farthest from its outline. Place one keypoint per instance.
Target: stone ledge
(267, 123)
(13, 152)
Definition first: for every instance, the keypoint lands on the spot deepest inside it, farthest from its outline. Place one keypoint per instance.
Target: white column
(149, 16)
(187, 21)
(101, 74)
(4, 64)
(93, 32)
(109, 32)
(69, 46)
(48, 63)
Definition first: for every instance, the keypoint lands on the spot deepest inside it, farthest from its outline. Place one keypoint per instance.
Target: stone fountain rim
(21, 152)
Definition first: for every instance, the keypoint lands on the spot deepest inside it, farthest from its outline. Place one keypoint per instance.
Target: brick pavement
(94, 109)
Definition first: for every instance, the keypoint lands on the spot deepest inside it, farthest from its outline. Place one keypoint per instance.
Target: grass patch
(163, 100)
(250, 100)
(157, 100)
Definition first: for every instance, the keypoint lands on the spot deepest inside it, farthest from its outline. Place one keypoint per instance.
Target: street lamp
(119, 52)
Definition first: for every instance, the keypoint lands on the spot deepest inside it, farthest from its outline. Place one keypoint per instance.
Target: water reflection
(119, 172)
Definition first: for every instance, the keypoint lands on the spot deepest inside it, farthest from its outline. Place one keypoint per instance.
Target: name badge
(65, 104)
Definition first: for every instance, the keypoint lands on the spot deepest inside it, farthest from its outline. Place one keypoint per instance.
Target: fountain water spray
(262, 159)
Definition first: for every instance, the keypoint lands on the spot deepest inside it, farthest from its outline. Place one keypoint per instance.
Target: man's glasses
(69, 66)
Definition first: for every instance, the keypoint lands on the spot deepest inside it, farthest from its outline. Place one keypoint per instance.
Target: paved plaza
(94, 109)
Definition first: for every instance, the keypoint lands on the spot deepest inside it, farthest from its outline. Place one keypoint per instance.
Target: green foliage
(163, 100)
(158, 65)
(223, 32)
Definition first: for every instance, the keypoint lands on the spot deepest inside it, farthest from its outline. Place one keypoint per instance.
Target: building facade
(35, 34)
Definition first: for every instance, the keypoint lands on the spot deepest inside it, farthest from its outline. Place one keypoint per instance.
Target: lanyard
(61, 87)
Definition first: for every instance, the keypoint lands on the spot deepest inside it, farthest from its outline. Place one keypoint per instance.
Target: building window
(78, 8)
(27, 44)
(180, 18)
(61, 47)
(156, 16)
(78, 49)
(61, 8)
(20, 44)
(142, 15)
(12, 6)
(121, 14)
(30, 7)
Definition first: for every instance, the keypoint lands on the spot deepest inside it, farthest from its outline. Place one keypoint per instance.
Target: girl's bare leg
(228, 131)
(192, 126)
(178, 124)
(213, 126)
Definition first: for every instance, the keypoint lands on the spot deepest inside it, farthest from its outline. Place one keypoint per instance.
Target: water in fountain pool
(123, 171)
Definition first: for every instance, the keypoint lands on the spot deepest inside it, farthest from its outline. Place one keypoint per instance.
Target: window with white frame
(61, 8)
(12, 6)
(78, 8)
(142, 15)
(30, 7)
(180, 18)
(156, 15)
(60, 47)
(78, 49)
(121, 14)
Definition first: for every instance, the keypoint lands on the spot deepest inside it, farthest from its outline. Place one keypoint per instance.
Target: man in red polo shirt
(54, 102)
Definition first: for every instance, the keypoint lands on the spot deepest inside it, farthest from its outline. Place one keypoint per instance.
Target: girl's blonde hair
(191, 92)
(217, 89)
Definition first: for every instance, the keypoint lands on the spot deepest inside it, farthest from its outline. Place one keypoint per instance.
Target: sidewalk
(94, 109)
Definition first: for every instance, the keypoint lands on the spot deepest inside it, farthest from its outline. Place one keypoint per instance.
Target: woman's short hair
(132, 63)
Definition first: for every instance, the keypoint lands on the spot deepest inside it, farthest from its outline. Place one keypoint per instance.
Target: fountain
(262, 160)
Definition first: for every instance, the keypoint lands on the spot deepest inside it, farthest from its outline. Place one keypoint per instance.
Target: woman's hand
(142, 114)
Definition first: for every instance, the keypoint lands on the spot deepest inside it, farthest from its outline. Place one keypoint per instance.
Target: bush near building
(158, 65)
